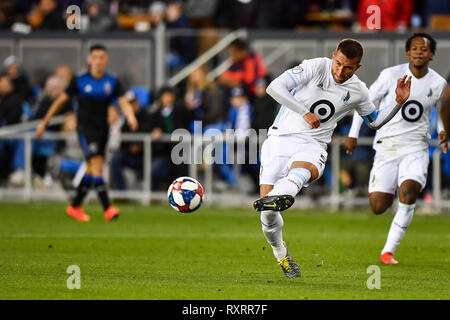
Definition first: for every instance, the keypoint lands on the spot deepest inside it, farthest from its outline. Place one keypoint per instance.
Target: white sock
(272, 225)
(292, 183)
(401, 222)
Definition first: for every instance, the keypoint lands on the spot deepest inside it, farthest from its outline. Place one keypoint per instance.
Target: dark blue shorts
(93, 143)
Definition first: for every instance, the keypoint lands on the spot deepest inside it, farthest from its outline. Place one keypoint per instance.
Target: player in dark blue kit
(95, 90)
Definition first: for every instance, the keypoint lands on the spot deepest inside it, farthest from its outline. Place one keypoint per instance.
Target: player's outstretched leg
(282, 195)
(272, 225)
(401, 222)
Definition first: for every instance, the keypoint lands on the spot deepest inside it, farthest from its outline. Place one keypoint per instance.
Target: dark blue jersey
(94, 96)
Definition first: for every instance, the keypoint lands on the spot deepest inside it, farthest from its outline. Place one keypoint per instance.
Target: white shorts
(389, 172)
(279, 152)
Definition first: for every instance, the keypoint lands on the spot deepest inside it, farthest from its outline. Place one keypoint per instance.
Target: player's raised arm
(280, 88)
(377, 91)
(54, 109)
(377, 119)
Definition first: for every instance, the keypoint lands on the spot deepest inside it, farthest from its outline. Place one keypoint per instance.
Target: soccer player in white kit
(314, 96)
(401, 146)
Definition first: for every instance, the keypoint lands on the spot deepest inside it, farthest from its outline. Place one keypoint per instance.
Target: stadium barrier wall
(334, 201)
(140, 59)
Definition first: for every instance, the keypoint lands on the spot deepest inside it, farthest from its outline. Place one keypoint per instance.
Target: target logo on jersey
(324, 109)
(185, 194)
(412, 111)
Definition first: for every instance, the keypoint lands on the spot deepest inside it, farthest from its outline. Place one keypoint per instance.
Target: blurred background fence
(146, 60)
(331, 197)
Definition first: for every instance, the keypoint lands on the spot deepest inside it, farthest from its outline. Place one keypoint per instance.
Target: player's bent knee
(314, 174)
(96, 166)
(377, 206)
(309, 166)
(408, 197)
(380, 202)
(409, 191)
(377, 209)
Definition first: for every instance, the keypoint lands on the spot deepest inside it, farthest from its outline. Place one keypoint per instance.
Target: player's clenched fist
(312, 119)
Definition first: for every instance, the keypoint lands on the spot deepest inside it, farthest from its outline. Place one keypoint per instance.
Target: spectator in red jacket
(395, 15)
(246, 67)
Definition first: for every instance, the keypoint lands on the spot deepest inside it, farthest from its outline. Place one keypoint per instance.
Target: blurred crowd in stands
(236, 99)
(145, 15)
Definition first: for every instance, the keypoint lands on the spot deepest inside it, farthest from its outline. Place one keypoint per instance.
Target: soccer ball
(185, 194)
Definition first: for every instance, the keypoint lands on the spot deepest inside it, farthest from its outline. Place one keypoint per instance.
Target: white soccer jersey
(313, 86)
(408, 130)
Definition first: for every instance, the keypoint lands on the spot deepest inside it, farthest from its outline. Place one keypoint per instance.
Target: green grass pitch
(152, 252)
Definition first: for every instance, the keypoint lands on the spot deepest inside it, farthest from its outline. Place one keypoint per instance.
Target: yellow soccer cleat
(274, 203)
(290, 268)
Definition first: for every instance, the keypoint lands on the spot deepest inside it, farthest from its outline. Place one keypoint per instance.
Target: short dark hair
(351, 48)
(97, 46)
(239, 44)
(421, 35)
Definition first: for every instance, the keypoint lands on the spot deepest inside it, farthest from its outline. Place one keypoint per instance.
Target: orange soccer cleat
(111, 214)
(77, 213)
(388, 258)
